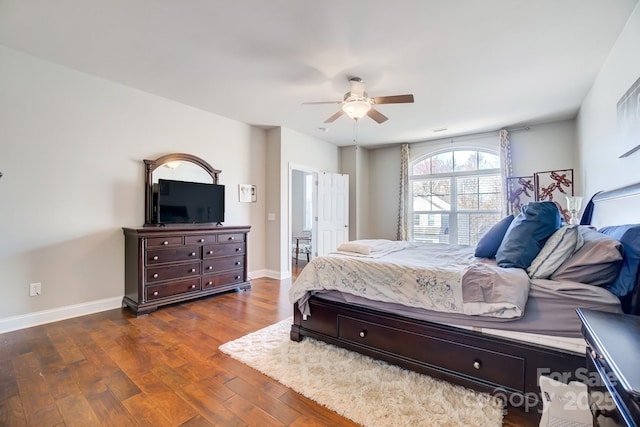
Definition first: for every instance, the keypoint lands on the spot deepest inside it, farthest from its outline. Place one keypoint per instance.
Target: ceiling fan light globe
(356, 109)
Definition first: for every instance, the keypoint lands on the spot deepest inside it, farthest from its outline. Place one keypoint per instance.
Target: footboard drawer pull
(363, 333)
(477, 364)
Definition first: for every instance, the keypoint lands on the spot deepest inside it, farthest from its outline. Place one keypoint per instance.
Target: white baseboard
(14, 323)
(271, 274)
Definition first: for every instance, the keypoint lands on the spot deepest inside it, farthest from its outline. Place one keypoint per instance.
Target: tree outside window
(456, 196)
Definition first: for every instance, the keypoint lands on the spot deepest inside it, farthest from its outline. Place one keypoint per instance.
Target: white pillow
(563, 243)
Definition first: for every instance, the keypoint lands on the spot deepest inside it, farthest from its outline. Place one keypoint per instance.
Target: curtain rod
(469, 135)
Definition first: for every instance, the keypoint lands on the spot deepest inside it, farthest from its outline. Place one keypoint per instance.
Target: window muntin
(456, 196)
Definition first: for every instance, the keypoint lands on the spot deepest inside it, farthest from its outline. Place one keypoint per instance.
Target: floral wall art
(520, 191)
(552, 186)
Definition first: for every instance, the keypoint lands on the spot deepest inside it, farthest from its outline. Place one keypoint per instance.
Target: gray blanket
(444, 278)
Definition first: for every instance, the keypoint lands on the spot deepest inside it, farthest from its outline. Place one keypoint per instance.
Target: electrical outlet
(35, 289)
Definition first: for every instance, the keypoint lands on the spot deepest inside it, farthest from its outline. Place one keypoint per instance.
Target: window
(456, 196)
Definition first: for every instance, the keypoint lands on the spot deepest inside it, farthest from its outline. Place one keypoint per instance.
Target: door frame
(307, 169)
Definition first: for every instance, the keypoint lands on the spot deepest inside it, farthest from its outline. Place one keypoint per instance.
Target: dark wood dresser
(165, 265)
(613, 363)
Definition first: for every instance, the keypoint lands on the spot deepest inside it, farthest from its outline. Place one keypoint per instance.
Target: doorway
(302, 216)
(318, 213)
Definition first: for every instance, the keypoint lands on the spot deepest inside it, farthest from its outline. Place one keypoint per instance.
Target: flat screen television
(183, 202)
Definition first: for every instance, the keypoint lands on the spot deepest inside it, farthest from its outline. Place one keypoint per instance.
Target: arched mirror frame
(152, 165)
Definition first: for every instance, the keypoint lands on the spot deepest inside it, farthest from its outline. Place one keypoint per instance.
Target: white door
(332, 212)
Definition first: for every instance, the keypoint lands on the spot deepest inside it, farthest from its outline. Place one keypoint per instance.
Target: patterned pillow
(560, 246)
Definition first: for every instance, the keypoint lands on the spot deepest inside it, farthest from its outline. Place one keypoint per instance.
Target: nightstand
(613, 366)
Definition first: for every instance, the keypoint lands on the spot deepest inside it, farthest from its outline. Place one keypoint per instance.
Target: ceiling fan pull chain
(355, 133)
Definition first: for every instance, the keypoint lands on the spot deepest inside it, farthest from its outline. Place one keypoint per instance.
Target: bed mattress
(549, 317)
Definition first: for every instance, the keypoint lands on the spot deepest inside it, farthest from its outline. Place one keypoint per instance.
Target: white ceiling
(472, 65)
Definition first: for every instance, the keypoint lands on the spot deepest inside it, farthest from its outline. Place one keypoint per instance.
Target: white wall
(550, 146)
(355, 163)
(71, 150)
(384, 182)
(287, 148)
(543, 147)
(599, 146)
(297, 202)
(349, 166)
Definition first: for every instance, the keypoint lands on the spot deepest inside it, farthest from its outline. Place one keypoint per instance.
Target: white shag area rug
(367, 391)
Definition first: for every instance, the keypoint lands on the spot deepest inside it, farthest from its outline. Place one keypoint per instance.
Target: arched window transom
(456, 196)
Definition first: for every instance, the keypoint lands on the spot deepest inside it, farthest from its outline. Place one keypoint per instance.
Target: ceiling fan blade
(334, 117)
(322, 102)
(377, 116)
(395, 99)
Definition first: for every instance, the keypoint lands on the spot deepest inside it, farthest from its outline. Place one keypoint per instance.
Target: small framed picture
(247, 193)
(628, 109)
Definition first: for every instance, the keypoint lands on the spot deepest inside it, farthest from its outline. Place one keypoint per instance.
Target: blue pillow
(527, 234)
(629, 236)
(490, 242)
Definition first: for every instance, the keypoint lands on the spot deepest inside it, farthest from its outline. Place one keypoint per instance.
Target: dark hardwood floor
(162, 369)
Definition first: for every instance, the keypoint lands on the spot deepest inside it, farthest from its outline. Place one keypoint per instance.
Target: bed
(501, 350)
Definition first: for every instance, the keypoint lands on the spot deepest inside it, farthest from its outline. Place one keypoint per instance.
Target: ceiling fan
(356, 103)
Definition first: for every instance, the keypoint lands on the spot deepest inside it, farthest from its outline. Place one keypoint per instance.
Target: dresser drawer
(230, 237)
(210, 251)
(221, 264)
(215, 280)
(183, 253)
(187, 269)
(174, 288)
(194, 240)
(154, 242)
(164, 265)
(486, 365)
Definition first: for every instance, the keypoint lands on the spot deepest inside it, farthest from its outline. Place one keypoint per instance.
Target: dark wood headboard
(618, 207)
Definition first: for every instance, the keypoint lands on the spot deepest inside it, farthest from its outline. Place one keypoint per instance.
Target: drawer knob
(209, 283)
(237, 262)
(155, 258)
(155, 275)
(237, 277)
(476, 364)
(238, 249)
(165, 243)
(231, 238)
(193, 270)
(193, 254)
(193, 286)
(201, 240)
(363, 334)
(155, 294)
(209, 253)
(210, 267)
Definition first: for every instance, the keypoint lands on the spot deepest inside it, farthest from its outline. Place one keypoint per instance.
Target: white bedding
(445, 278)
(371, 248)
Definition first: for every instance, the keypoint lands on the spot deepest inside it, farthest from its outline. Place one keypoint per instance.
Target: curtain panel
(403, 203)
(506, 168)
